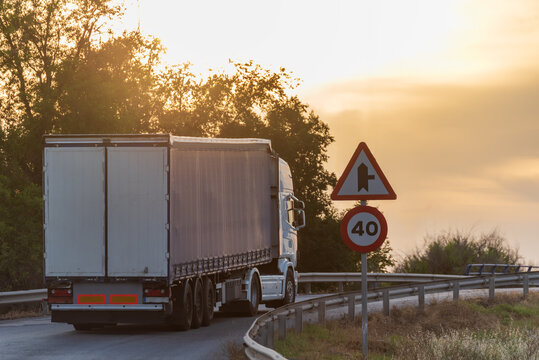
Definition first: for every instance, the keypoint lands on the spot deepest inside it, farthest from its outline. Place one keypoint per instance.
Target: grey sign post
(364, 311)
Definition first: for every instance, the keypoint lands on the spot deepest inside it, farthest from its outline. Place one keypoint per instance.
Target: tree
(111, 89)
(21, 259)
(450, 252)
(36, 38)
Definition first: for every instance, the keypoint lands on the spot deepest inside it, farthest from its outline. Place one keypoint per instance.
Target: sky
(444, 93)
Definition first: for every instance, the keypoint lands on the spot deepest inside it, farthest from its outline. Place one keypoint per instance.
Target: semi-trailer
(159, 228)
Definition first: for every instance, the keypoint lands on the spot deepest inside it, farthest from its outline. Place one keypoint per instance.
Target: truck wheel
(289, 290)
(208, 301)
(251, 305)
(198, 306)
(182, 311)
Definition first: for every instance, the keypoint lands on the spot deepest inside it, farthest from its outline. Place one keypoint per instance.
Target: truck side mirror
(298, 213)
(300, 219)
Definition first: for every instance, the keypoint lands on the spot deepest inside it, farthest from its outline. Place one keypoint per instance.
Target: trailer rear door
(137, 200)
(74, 208)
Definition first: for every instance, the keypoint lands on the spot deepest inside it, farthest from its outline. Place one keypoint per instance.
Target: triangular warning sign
(363, 179)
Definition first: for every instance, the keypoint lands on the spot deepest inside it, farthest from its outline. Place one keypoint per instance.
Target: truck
(156, 228)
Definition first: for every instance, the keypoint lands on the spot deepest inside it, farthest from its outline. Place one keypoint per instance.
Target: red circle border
(383, 229)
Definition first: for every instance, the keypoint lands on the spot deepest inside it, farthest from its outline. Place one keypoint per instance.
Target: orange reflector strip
(124, 299)
(91, 299)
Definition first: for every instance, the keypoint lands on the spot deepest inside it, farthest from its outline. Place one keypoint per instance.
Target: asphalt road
(38, 338)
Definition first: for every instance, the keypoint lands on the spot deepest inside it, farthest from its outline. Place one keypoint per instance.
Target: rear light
(61, 292)
(156, 295)
(155, 292)
(60, 296)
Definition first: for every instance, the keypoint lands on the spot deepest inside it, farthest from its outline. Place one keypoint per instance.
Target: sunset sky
(445, 94)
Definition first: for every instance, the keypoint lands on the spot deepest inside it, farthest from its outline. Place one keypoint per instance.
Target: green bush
(450, 252)
(21, 236)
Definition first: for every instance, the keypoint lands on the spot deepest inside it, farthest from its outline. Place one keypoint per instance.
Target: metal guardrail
(22, 296)
(260, 337)
(491, 268)
(376, 278)
(25, 296)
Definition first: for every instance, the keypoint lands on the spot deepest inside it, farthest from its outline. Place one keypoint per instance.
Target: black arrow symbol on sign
(363, 177)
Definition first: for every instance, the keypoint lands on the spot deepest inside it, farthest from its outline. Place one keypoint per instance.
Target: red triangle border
(391, 193)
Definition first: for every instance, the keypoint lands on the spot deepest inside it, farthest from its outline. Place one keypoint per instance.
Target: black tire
(251, 305)
(182, 307)
(208, 301)
(198, 304)
(290, 289)
(83, 327)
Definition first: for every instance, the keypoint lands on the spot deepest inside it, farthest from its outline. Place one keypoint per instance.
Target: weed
(502, 344)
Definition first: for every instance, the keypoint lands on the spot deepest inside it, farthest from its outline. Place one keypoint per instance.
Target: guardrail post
(491, 287)
(262, 335)
(308, 288)
(282, 327)
(421, 297)
(45, 306)
(322, 312)
(299, 320)
(341, 286)
(525, 285)
(351, 307)
(456, 288)
(269, 334)
(385, 302)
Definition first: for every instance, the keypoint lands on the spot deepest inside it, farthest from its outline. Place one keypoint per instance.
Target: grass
(506, 328)
(17, 311)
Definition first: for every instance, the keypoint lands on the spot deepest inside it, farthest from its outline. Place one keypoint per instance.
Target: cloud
(457, 155)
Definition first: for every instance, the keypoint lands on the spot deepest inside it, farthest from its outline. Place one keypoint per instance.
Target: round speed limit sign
(364, 229)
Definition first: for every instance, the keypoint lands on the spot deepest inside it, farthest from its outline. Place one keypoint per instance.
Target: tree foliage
(21, 248)
(450, 252)
(111, 90)
(38, 38)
